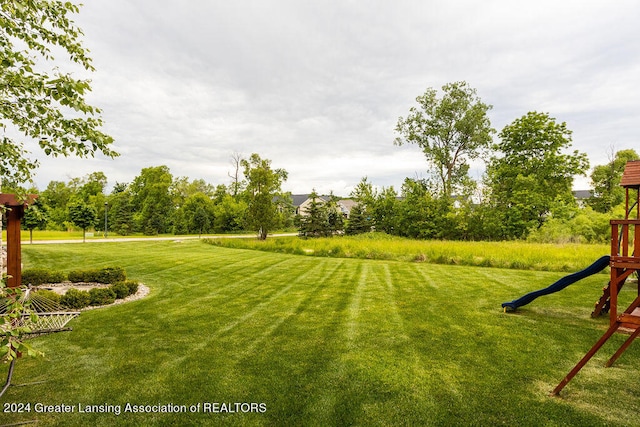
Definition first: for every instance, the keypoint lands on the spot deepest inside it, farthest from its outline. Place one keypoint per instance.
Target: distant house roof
(298, 199)
(631, 175)
(582, 194)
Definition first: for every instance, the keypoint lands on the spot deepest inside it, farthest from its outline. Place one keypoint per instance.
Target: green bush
(101, 296)
(76, 276)
(124, 289)
(74, 298)
(111, 275)
(50, 295)
(39, 276)
(120, 289)
(133, 286)
(103, 275)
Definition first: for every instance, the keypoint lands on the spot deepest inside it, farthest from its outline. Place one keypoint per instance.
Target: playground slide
(599, 265)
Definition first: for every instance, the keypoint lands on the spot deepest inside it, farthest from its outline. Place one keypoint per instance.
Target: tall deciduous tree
(38, 100)
(534, 171)
(451, 131)
(605, 179)
(263, 185)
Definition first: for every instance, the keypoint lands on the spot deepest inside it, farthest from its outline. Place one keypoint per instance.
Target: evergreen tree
(314, 222)
(359, 222)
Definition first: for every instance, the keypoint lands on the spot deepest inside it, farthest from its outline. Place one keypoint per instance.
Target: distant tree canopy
(518, 208)
(605, 180)
(151, 200)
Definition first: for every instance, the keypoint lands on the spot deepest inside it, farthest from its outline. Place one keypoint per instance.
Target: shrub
(111, 275)
(103, 275)
(133, 286)
(75, 299)
(39, 276)
(76, 276)
(120, 289)
(50, 295)
(101, 296)
(124, 289)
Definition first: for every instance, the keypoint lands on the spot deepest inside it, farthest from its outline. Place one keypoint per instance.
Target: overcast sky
(317, 86)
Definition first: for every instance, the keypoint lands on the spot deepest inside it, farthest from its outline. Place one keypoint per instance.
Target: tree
(34, 216)
(37, 99)
(417, 213)
(605, 179)
(451, 131)
(229, 214)
(533, 173)
(314, 222)
(92, 185)
(385, 211)
(335, 217)
(182, 188)
(42, 103)
(263, 186)
(120, 218)
(151, 200)
(365, 196)
(236, 183)
(199, 213)
(82, 215)
(56, 196)
(358, 222)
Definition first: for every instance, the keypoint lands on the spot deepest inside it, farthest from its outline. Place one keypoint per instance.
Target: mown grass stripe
(350, 342)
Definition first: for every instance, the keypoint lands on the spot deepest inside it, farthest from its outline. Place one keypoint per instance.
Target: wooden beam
(14, 213)
(14, 252)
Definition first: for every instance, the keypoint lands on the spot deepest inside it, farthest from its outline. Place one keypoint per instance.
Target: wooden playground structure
(624, 261)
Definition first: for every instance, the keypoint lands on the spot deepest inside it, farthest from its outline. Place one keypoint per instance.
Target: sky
(317, 87)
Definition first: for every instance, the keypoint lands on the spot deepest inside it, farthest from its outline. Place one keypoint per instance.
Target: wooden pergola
(624, 261)
(14, 212)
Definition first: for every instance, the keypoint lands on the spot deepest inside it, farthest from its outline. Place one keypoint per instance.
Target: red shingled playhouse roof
(631, 175)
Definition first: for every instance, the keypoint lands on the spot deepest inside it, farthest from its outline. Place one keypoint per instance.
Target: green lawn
(324, 341)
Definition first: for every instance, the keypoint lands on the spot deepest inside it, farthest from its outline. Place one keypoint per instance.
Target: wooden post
(14, 213)
(14, 252)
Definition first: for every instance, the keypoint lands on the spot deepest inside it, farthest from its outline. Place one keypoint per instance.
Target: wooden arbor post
(14, 213)
(624, 261)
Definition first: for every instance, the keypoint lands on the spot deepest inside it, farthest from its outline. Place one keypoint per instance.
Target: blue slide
(599, 265)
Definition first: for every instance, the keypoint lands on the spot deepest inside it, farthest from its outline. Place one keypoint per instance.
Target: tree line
(156, 202)
(538, 205)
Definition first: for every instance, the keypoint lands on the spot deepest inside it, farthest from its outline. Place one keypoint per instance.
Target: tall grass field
(512, 254)
(242, 337)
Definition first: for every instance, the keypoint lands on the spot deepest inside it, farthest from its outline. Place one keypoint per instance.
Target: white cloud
(317, 87)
